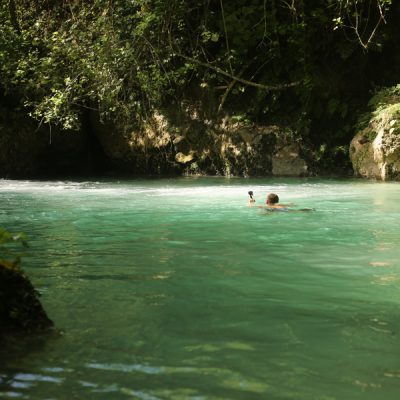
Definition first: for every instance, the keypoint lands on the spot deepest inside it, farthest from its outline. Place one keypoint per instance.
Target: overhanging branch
(281, 86)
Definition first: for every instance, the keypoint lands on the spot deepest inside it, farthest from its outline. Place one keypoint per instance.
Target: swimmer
(273, 202)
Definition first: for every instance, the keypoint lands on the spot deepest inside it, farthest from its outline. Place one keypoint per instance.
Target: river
(176, 289)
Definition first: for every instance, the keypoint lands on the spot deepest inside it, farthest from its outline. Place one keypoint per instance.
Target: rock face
(191, 144)
(186, 139)
(287, 160)
(20, 309)
(375, 151)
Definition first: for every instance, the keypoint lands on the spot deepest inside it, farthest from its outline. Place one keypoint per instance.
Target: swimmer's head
(250, 193)
(272, 198)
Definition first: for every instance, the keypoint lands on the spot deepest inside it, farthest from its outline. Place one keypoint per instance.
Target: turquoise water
(175, 289)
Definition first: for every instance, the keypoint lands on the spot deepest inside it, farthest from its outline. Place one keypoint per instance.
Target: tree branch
(281, 86)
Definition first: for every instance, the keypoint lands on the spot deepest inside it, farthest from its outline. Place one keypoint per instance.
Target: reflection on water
(175, 289)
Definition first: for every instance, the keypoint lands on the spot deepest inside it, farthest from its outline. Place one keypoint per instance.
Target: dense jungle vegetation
(311, 64)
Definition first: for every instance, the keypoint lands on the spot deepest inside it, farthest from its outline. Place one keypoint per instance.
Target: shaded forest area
(310, 65)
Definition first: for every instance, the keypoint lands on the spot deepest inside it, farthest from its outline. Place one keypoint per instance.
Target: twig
(226, 37)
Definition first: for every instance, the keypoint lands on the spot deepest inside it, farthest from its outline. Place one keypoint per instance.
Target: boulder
(375, 151)
(20, 308)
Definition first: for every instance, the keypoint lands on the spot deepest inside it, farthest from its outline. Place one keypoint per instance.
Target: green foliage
(91, 55)
(384, 108)
(242, 119)
(9, 255)
(125, 58)
(384, 97)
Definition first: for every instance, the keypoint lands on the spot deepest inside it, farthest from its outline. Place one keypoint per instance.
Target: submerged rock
(20, 309)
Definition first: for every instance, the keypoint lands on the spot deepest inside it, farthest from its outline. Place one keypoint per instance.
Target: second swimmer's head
(272, 198)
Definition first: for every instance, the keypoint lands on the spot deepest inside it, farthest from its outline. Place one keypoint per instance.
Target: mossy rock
(375, 150)
(20, 308)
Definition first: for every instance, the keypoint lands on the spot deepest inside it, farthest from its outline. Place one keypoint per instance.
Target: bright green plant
(10, 255)
(384, 107)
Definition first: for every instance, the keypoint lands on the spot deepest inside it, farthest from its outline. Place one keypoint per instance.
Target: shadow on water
(15, 348)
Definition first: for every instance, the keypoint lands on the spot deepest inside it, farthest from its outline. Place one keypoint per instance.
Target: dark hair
(272, 198)
(250, 193)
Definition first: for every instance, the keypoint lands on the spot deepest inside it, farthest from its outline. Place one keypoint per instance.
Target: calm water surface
(175, 289)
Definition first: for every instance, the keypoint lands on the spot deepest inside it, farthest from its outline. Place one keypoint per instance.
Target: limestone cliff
(375, 150)
(194, 145)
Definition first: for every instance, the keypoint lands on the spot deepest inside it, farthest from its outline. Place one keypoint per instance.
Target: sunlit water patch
(175, 289)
